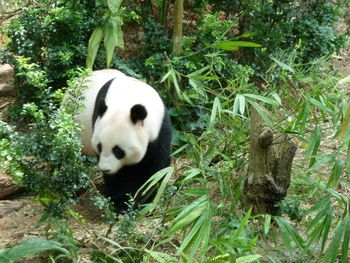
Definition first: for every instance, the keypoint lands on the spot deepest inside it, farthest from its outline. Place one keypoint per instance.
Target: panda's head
(119, 137)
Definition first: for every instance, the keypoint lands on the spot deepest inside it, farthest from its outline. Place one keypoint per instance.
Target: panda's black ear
(138, 112)
(102, 107)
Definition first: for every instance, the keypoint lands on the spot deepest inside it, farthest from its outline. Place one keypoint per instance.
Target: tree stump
(269, 167)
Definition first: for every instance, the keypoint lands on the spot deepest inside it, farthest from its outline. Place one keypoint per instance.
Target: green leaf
(312, 148)
(189, 214)
(289, 233)
(248, 259)
(198, 72)
(30, 247)
(242, 225)
(196, 191)
(228, 45)
(302, 117)
(114, 5)
(199, 233)
(277, 98)
(262, 113)
(343, 81)
(262, 99)
(239, 105)
(174, 75)
(346, 239)
(215, 110)
(161, 257)
(320, 105)
(332, 251)
(164, 174)
(113, 38)
(267, 224)
(283, 65)
(94, 43)
(335, 175)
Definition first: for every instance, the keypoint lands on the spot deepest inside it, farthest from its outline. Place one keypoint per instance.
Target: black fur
(138, 112)
(130, 178)
(100, 102)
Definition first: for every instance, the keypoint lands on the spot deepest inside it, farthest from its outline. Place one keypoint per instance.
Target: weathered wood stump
(269, 168)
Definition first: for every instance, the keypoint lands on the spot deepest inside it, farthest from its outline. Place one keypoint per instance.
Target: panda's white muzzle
(108, 164)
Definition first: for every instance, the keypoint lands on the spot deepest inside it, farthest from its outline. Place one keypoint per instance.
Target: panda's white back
(123, 93)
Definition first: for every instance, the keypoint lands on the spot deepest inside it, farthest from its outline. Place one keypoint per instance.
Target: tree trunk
(178, 20)
(269, 167)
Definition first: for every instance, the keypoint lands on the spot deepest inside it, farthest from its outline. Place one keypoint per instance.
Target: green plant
(52, 37)
(47, 159)
(30, 247)
(110, 31)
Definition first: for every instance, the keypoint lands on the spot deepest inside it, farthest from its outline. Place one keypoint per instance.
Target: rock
(7, 89)
(6, 80)
(6, 72)
(7, 186)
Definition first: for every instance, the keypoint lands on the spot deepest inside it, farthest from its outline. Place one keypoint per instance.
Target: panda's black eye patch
(99, 148)
(118, 152)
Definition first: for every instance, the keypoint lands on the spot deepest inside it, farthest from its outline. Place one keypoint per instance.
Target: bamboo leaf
(243, 224)
(168, 173)
(197, 72)
(239, 105)
(228, 45)
(346, 240)
(173, 75)
(164, 174)
(332, 251)
(262, 113)
(192, 173)
(277, 98)
(335, 175)
(343, 81)
(166, 76)
(326, 226)
(248, 259)
(114, 5)
(29, 247)
(283, 65)
(94, 43)
(189, 214)
(267, 224)
(320, 105)
(113, 37)
(290, 233)
(199, 233)
(215, 110)
(262, 99)
(311, 150)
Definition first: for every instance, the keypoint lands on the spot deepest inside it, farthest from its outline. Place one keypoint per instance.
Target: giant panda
(126, 125)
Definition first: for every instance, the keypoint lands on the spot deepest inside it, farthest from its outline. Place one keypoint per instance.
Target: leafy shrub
(283, 24)
(54, 38)
(47, 159)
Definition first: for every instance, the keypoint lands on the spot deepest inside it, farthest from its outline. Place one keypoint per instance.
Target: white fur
(115, 127)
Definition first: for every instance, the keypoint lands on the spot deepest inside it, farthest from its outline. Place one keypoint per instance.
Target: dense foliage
(269, 55)
(47, 159)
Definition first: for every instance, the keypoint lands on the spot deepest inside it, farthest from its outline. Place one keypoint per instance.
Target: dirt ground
(21, 213)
